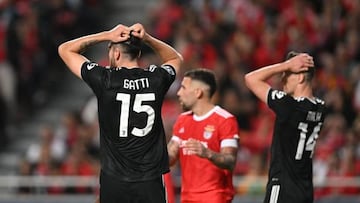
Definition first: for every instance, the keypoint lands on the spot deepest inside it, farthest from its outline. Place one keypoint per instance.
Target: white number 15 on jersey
(138, 107)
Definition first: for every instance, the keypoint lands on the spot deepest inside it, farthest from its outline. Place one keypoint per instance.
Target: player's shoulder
(184, 117)
(319, 101)
(221, 112)
(315, 100)
(167, 68)
(186, 114)
(277, 94)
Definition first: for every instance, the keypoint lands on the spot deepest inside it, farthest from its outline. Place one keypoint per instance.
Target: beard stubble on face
(184, 106)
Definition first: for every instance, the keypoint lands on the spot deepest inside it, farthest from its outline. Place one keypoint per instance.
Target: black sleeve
(279, 102)
(92, 74)
(167, 73)
(170, 73)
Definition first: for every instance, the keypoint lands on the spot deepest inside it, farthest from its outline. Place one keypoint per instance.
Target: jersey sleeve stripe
(223, 113)
(229, 143)
(176, 139)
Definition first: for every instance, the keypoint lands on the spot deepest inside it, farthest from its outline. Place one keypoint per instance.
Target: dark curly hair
(203, 75)
(132, 46)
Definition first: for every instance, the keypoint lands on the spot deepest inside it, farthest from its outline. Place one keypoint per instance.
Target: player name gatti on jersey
(137, 84)
(313, 116)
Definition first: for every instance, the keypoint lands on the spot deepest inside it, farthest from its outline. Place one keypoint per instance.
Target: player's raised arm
(70, 51)
(167, 53)
(256, 80)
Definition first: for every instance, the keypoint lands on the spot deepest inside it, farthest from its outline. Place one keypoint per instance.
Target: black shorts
(285, 191)
(115, 191)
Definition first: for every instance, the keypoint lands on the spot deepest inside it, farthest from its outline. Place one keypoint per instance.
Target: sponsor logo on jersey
(182, 130)
(208, 131)
(91, 65)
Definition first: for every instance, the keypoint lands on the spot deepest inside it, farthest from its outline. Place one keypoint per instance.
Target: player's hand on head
(301, 62)
(137, 30)
(119, 33)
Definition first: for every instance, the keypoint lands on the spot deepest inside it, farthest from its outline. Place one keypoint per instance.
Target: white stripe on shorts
(163, 183)
(275, 189)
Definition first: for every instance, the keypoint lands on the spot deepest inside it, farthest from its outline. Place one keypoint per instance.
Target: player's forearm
(173, 151)
(172, 160)
(79, 45)
(256, 80)
(221, 160)
(263, 74)
(165, 51)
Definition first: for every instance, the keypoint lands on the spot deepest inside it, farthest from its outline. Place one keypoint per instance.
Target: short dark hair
(132, 46)
(203, 75)
(309, 74)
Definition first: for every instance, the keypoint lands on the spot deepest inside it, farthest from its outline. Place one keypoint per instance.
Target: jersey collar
(203, 117)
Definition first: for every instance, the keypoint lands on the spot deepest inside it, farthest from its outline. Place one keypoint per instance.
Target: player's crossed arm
(224, 159)
(173, 151)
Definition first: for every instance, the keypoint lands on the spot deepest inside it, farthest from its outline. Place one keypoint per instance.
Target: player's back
(295, 136)
(131, 131)
(297, 126)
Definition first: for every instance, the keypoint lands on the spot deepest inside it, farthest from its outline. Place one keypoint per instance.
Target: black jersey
(297, 126)
(132, 137)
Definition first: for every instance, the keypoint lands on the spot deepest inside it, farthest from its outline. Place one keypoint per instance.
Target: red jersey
(201, 180)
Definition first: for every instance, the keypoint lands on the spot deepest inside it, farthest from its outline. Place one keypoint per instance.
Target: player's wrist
(209, 155)
(146, 38)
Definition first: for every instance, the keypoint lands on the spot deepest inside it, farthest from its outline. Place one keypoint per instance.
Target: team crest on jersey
(208, 131)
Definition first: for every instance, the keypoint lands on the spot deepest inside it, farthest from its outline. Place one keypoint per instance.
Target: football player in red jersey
(205, 141)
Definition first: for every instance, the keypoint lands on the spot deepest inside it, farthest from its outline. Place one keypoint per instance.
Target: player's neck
(128, 64)
(304, 91)
(202, 108)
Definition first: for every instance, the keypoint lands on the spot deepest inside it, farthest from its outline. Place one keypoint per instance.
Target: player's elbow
(180, 57)
(249, 80)
(62, 50)
(176, 60)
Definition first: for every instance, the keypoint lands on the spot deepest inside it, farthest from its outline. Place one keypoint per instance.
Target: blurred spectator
(30, 32)
(253, 182)
(69, 127)
(49, 147)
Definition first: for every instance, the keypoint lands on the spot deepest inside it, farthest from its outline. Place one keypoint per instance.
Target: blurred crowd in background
(30, 31)
(230, 37)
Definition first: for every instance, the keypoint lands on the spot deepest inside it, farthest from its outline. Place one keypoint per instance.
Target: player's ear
(301, 78)
(199, 92)
(117, 53)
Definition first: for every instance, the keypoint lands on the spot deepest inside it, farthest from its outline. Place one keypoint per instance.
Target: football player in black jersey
(132, 140)
(299, 117)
